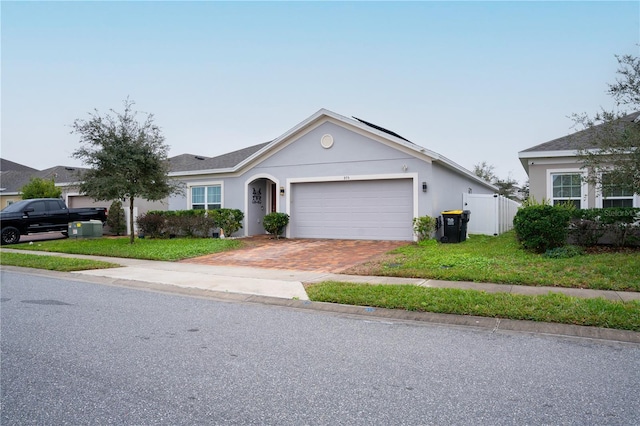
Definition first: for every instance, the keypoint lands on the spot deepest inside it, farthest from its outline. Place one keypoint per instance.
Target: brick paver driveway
(331, 256)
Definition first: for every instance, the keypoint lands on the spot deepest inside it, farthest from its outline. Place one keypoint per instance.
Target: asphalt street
(76, 352)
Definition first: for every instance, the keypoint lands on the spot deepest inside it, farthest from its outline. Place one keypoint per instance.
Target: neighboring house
(556, 173)
(336, 177)
(14, 176)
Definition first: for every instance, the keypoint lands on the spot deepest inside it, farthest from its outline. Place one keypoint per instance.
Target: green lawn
(500, 260)
(52, 263)
(553, 307)
(149, 249)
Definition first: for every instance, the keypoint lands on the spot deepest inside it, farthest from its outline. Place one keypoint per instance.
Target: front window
(566, 188)
(614, 195)
(206, 197)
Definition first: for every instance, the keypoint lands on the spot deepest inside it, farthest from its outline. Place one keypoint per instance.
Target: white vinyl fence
(491, 214)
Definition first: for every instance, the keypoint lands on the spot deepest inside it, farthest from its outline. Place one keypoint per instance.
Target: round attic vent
(326, 141)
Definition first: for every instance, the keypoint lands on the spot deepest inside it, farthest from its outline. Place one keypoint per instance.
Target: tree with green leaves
(40, 188)
(116, 219)
(610, 150)
(484, 171)
(507, 187)
(127, 158)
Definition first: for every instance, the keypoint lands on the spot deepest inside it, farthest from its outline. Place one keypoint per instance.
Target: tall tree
(40, 188)
(484, 171)
(127, 158)
(612, 148)
(507, 187)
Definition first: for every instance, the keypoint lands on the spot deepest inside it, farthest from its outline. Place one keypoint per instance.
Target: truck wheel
(10, 235)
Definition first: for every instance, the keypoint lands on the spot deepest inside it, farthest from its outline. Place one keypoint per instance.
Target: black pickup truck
(43, 215)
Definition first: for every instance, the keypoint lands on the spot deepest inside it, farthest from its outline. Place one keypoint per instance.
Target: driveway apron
(316, 255)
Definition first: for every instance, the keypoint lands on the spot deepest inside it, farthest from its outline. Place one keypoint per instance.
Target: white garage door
(78, 201)
(363, 210)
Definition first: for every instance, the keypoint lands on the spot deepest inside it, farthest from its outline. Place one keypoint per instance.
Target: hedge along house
(556, 173)
(335, 176)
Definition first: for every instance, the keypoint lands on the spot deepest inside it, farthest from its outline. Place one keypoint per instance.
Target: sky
(473, 81)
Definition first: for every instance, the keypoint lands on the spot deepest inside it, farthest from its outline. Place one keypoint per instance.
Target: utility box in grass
(88, 229)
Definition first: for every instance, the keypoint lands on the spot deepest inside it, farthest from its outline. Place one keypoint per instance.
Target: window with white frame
(566, 188)
(614, 195)
(206, 197)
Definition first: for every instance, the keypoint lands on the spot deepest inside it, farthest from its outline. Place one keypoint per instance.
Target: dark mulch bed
(611, 249)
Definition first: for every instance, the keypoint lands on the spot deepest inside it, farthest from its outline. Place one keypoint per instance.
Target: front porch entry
(261, 200)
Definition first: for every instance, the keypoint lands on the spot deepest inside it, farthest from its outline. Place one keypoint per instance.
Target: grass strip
(552, 307)
(52, 263)
(167, 250)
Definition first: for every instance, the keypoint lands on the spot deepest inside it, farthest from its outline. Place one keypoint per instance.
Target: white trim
(246, 196)
(549, 154)
(71, 194)
(201, 172)
(552, 161)
(351, 178)
(599, 198)
(545, 154)
(584, 187)
(205, 184)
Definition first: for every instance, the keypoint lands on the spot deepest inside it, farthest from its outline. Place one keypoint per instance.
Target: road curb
(492, 325)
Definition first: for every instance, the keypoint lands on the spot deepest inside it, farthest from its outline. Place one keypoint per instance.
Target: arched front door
(261, 200)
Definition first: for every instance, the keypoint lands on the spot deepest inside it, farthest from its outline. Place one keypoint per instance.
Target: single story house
(336, 177)
(556, 173)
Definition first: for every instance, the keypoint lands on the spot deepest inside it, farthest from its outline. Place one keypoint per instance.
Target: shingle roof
(189, 162)
(12, 180)
(6, 165)
(583, 139)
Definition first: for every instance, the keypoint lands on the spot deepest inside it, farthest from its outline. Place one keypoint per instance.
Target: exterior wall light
(282, 190)
(424, 186)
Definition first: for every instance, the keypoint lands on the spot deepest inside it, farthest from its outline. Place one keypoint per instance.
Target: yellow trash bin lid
(452, 212)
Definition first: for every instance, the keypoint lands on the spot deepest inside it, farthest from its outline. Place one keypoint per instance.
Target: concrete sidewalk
(287, 284)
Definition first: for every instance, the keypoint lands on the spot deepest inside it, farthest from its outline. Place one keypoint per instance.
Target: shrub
(152, 224)
(229, 220)
(116, 219)
(564, 252)
(274, 223)
(190, 223)
(187, 224)
(542, 227)
(423, 227)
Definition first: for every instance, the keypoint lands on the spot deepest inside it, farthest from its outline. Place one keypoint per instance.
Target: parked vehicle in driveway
(43, 215)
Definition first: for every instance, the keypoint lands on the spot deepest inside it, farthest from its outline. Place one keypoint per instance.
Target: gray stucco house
(336, 177)
(556, 173)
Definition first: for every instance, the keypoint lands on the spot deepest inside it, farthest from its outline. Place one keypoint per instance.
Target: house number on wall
(347, 178)
(257, 196)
